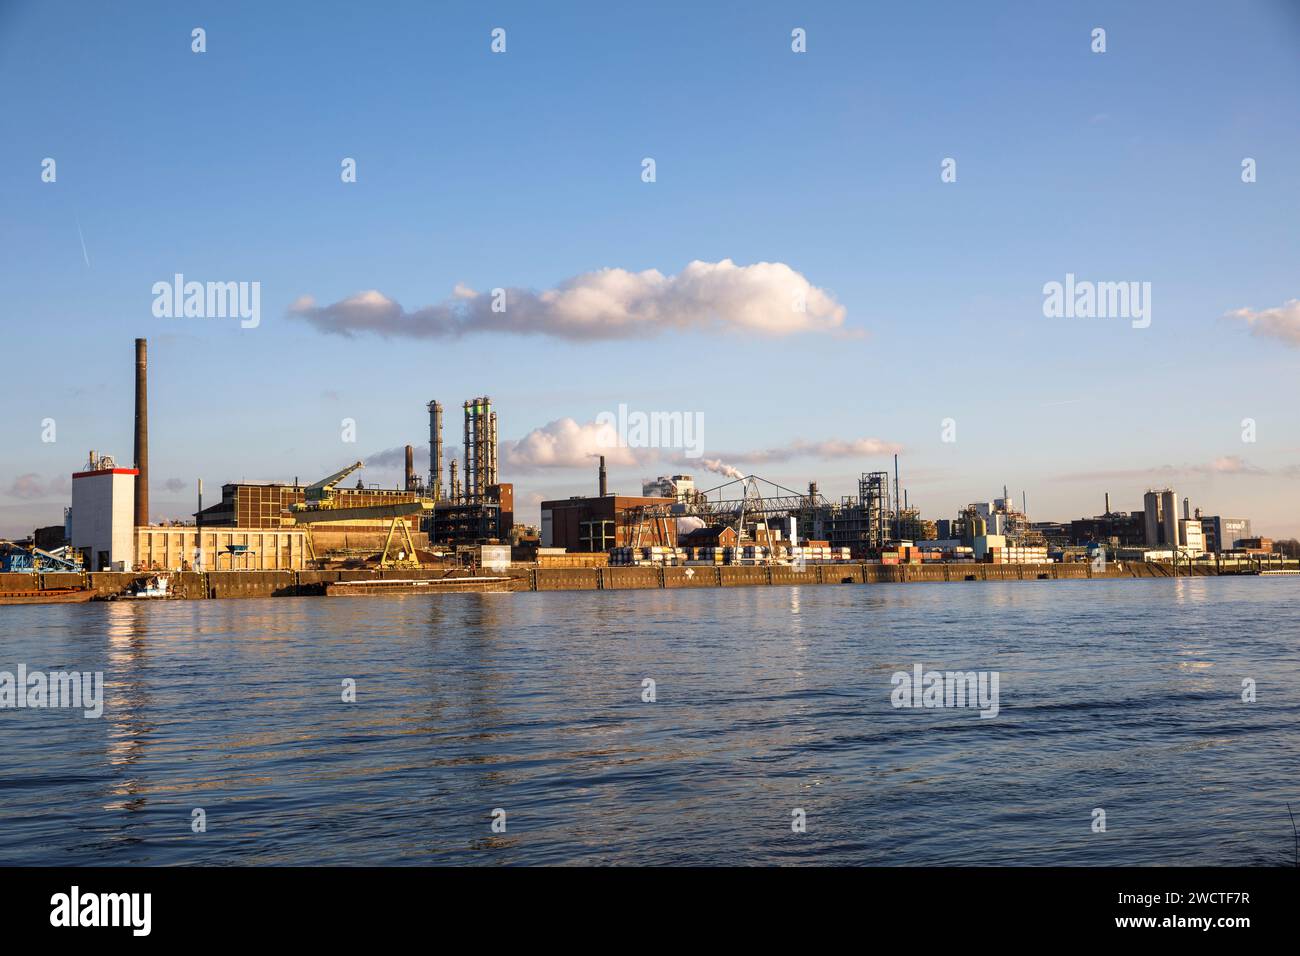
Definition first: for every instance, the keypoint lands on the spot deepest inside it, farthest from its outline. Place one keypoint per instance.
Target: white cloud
(1282, 322)
(606, 304)
(566, 444)
(1232, 465)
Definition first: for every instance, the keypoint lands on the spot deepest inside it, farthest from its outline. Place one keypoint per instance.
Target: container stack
(709, 555)
(1019, 554)
(820, 553)
(651, 557)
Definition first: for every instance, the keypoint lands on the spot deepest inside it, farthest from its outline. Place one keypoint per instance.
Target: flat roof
(106, 471)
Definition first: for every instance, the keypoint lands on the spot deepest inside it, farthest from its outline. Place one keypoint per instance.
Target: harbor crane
(322, 506)
(323, 491)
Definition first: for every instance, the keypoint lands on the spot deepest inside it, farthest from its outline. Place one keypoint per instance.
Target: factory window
(596, 535)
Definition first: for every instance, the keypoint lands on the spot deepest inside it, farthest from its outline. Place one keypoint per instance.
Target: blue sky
(523, 169)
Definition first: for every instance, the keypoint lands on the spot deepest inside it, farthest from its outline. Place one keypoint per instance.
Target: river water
(1121, 696)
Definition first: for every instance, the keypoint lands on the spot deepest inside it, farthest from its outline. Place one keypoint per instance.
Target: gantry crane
(321, 506)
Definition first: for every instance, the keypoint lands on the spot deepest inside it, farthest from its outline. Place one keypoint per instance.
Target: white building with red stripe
(103, 515)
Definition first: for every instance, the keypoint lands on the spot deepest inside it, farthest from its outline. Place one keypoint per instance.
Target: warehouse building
(1222, 534)
(186, 548)
(599, 523)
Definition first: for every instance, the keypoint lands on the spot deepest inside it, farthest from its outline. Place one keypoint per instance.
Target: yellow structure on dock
(322, 506)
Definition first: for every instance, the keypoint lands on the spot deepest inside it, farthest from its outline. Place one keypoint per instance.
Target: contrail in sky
(83, 244)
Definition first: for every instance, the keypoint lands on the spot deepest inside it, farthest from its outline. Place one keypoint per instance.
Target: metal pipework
(435, 450)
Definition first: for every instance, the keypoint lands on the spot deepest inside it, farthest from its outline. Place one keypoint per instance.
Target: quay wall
(233, 584)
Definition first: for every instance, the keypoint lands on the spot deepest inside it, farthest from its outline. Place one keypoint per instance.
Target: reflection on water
(1122, 694)
(128, 726)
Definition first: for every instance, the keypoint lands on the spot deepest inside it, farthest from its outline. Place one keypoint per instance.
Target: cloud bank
(1224, 465)
(32, 487)
(565, 443)
(822, 450)
(766, 298)
(826, 450)
(1282, 323)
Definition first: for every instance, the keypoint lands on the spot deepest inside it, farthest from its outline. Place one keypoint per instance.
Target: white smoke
(825, 450)
(718, 466)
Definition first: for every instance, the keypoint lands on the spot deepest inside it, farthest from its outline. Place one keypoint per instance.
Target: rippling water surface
(1121, 695)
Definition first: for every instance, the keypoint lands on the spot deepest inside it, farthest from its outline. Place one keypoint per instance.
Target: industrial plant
(465, 518)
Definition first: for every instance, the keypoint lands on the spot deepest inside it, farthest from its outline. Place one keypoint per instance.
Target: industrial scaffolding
(470, 507)
(863, 523)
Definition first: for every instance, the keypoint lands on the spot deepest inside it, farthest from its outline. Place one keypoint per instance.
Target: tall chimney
(604, 484)
(1108, 502)
(141, 433)
(410, 468)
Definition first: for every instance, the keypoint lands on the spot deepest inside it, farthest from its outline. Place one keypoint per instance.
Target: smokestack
(1187, 508)
(410, 468)
(141, 433)
(604, 484)
(1108, 502)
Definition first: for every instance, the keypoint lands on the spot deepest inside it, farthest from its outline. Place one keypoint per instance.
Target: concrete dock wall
(231, 584)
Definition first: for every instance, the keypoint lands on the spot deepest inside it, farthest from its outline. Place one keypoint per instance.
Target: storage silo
(1169, 517)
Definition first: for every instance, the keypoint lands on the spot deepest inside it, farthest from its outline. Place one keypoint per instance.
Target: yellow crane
(320, 506)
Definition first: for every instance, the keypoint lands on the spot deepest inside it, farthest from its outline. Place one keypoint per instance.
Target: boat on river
(416, 586)
(47, 596)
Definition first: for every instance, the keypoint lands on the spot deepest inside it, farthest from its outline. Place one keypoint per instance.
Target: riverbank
(188, 585)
